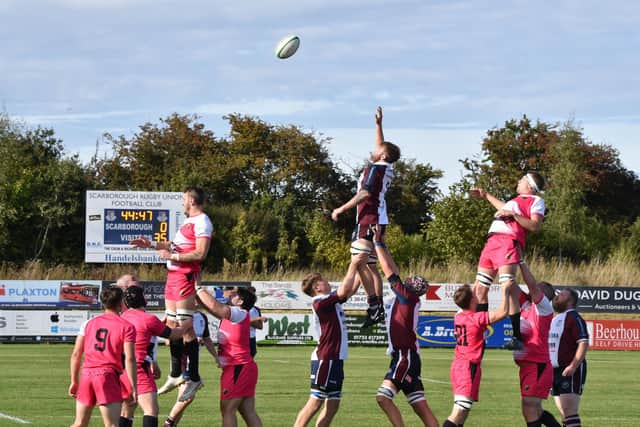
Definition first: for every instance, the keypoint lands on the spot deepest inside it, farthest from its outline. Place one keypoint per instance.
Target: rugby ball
(287, 46)
(359, 247)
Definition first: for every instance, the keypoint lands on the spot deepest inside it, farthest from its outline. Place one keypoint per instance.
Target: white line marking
(429, 380)
(16, 419)
(280, 361)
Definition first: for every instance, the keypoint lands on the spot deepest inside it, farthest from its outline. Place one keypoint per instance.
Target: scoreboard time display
(115, 218)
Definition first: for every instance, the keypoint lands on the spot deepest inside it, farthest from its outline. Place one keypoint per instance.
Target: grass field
(35, 378)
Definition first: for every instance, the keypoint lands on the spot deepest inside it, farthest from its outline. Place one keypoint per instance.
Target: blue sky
(444, 71)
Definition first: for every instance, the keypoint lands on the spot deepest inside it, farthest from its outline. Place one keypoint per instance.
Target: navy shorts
(326, 379)
(404, 371)
(569, 385)
(365, 231)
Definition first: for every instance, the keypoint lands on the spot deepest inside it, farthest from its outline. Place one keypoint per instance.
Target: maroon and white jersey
(376, 179)
(535, 322)
(525, 205)
(104, 338)
(568, 329)
(328, 317)
(233, 338)
(147, 326)
(193, 228)
(401, 317)
(469, 328)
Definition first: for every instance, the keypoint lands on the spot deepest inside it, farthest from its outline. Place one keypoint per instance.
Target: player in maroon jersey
(507, 237)
(466, 370)
(327, 359)
(568, 344)
(371, 207)
(102, 341)
(402, 319)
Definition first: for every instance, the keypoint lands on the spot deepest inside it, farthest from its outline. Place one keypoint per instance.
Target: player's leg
(247, 409)
(308, 411)
(386, 392)
(375, 302)
(111, 413)
(126, 413)
(568, 404)
(175, 415)
(507, 275)
(83, 415)
(228, 409)
(176, 349)
(531, 409)
(482, 285)
(329, 411)
(185, 309)
(149, 404)
(422, 409)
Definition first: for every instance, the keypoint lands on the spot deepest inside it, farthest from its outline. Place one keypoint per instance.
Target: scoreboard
(115, 218)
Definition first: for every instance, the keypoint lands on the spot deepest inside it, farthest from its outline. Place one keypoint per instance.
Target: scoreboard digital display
(123, 225)
(115, 218)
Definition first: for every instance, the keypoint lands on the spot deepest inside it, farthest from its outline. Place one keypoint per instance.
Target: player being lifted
(184, 255)
(466, 370)
(507, 235)
(371, 212)
(402, 320)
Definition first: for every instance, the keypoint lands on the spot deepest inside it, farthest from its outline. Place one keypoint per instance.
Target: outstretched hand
(478, 192)
(140, 242)
(379, 116)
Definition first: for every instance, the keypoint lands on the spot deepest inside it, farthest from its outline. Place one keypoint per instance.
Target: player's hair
(547, 290)
(538, 179)
(574, 297)
(462, 297)
(392, 151)
(134, 297)
(252, 289)
(196, 193)
(248, 298)
(309, 281)
(111, 297)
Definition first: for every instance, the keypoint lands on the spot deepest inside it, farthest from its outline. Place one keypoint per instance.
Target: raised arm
(349, 285)
(212, 305)
(360, 196)
(532, 284)
(481, 194)
(502, 312)
(387, 263)
(379, 133)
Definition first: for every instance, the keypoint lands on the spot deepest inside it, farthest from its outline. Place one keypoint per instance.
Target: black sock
(177, 349)
(193, 351)
(534, 424)
(448, 423)
(482, 307)
(549, 420)
(515, 323)
(372, 300)
(169, 422)
(125, 422)
(572, 421)
(149, 421)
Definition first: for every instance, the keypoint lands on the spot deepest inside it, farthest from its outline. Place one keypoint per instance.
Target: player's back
(535, 323)
(469, 329)
(104, 338)
(147, 326)
(376, 179)
(329, 319)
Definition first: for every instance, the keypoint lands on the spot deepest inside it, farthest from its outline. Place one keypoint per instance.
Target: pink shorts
(146, 382)
(179, 286)
(99, 386)
(465, 378)
(239, 381)
(500, 249)
(536, 379)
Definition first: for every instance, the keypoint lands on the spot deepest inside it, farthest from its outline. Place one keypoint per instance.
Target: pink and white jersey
(376, 179)
(193, 228)
(525, 205)
(328, 317)
(469, 328)
(568, 329)
(233, 338)
(147, 326)
(401, 317)
(104, 338)
(535, 322)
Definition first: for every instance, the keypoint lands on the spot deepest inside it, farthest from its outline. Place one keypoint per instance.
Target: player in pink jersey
(147, 326)
(103, 340)
(568, 344)
(507, 237)
(466, 370)
(402, 320)
(239, 371)
(327, 359)
(371, 207)
(184, 255)
(536, 373)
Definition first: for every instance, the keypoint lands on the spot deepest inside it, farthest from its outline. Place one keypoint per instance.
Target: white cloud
(74, 117)
(265, 107)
